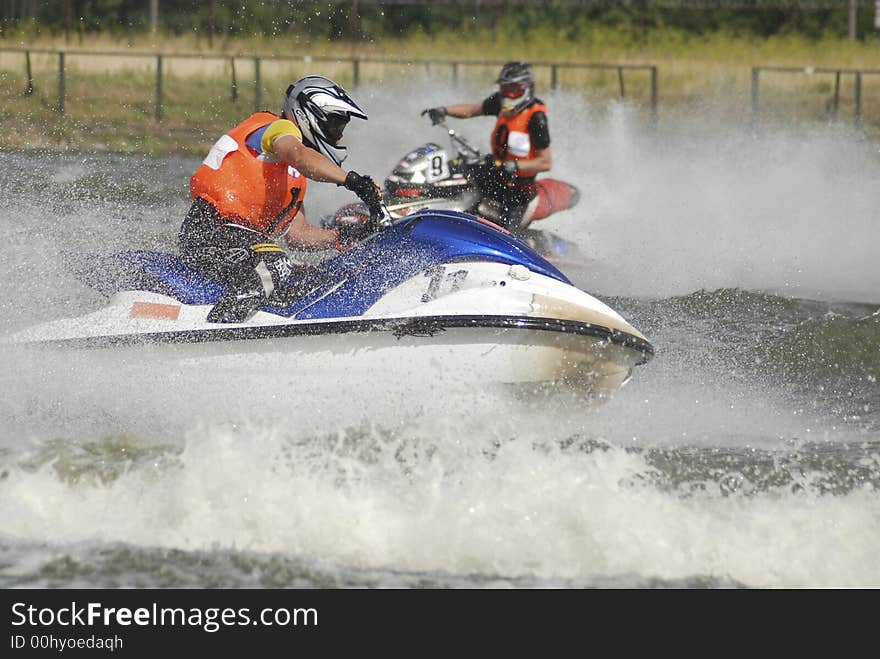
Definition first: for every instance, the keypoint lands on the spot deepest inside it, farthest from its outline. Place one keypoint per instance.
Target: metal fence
(161, 66)
(356, 64)
(809, 70)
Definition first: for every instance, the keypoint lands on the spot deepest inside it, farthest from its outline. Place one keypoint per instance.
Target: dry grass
(110, 101)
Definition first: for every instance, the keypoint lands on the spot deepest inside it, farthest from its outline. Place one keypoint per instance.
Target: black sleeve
(539, 131)
(492, 105)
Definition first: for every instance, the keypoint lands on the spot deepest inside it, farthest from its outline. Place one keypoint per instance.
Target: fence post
(654, 96)
(234, 83)
(836, 104)
(61, 82)
(455, 74)
(554, 82)
(620, 80)
(756, 72)
(30, 77)
(858, 92)
(258, 85)
(158, 88)
(356, 72)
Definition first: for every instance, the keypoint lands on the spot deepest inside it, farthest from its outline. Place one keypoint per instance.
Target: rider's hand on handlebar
(509, 169)
(366, 189)
(371, 194)
(436, 115)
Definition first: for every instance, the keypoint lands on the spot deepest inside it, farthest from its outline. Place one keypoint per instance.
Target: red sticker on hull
(154, 310)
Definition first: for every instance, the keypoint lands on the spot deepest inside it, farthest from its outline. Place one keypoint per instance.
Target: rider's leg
(500, 201)
(513, 208)
(252, 274)
(251, 266)
(200, 239)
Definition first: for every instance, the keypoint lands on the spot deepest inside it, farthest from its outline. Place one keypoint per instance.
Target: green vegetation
(310, 22)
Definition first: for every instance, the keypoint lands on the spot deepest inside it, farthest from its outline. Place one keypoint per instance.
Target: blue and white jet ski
(436, 293)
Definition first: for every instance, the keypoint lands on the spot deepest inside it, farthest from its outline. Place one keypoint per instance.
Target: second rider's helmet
(516, 83)
(321, 109)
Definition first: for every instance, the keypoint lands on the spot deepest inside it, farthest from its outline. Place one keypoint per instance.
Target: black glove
(436, 115)
(365, 188)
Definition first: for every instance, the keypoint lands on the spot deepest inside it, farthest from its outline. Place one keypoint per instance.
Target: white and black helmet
(321, 109)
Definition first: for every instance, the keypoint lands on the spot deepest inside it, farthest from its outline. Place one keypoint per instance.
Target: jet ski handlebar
(464, 147)
(380, 217)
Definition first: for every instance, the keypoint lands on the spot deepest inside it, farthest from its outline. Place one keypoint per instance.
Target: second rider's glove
(436, 115)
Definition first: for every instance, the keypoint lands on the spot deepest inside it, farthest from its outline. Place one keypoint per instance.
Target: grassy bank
(599, 43)
(110, 102)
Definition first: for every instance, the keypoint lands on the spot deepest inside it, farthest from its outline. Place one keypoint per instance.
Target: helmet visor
(334, 125)
(513, 89)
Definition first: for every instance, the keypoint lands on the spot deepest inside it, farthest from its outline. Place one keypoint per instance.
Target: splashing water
(746, 453)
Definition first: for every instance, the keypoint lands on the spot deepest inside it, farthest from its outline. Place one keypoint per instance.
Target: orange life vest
(510, 137)
(264, 196)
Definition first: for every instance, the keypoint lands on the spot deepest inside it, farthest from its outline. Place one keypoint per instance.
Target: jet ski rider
(249, 191)
(520, 141)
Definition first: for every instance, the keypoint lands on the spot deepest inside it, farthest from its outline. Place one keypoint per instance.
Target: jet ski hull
(477, 305)
(456, 349)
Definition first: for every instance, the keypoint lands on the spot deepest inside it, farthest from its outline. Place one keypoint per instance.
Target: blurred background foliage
(372, 20)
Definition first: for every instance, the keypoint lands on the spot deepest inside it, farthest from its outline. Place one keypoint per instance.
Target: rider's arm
(539, 134)
(302, 235)
(288, 146)
(310, 163)
(542, 162)
(283, 139)
(464, 110)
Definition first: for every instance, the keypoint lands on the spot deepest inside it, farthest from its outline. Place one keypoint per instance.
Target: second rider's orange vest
(261, 195)
(508, 125)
